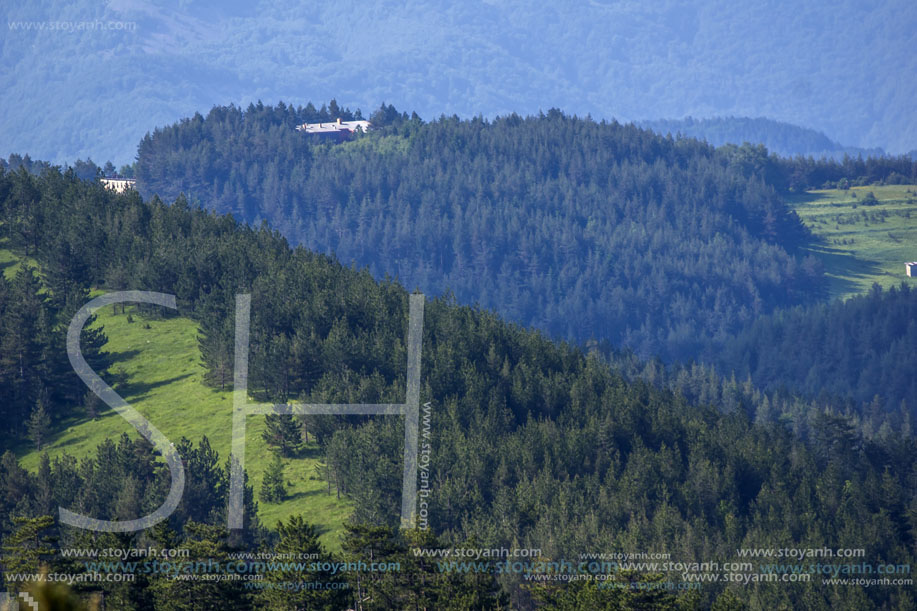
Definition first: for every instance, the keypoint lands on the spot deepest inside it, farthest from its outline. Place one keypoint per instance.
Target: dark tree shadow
(124, 355)
(845, 267)
(138, 391)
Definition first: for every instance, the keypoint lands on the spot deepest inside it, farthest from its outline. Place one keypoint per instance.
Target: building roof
(119, 184)
(337, 126)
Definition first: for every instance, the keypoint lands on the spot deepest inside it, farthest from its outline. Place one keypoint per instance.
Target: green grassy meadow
(862, 242)
(158, 371)
(10, 263)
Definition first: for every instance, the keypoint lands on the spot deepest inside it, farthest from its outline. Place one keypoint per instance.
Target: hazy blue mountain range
(779, 137)
(72, 87)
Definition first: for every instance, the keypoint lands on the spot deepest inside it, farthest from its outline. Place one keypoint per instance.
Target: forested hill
(582, 229)
(534, 444)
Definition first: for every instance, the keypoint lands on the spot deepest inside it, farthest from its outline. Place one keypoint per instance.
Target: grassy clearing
(862, 241)
(10, 263)
(158, 363)
(382, 145)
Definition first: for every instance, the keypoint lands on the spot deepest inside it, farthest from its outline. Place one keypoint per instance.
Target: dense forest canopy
(592, 232)
(585, 230)
(536, 444)
(854, 348)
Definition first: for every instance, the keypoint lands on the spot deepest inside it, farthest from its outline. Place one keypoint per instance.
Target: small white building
(911, 269)
(338, 130)
(119, 185)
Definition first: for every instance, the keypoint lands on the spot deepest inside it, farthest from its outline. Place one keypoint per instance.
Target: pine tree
(215, 342)
(92, 404)
(39, 425)
(208, 553)
(282, 432)
(273, 488)
(44, 495)
(27, 548)
(23, 332)
(300, 539)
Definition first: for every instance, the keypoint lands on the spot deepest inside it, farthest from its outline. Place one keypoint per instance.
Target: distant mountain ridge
(840, 68)
(785, 139)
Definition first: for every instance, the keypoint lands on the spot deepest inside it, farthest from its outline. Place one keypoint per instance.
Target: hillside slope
(584, 230)
(864, 235)
(157, 365)
(532, 443)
